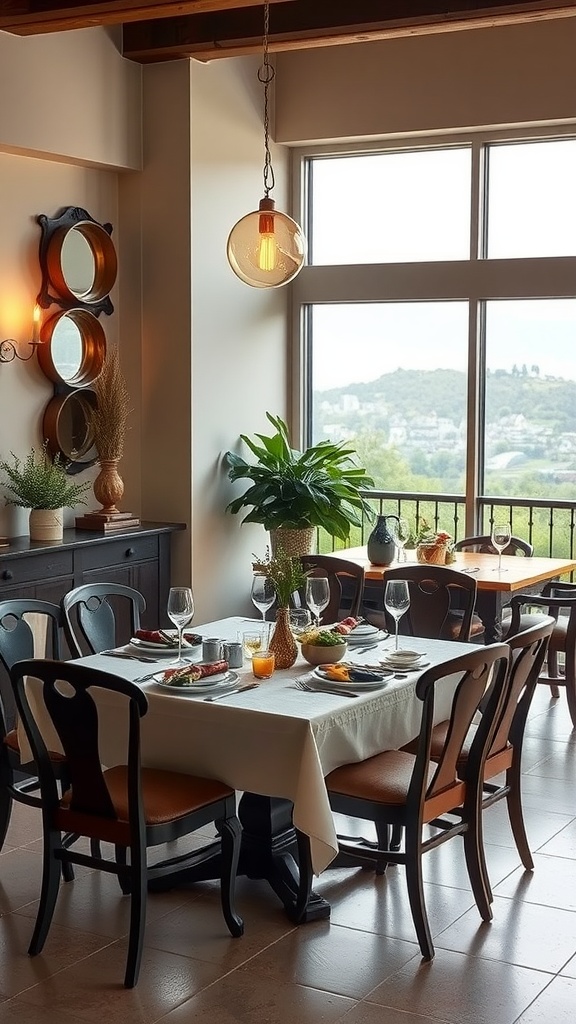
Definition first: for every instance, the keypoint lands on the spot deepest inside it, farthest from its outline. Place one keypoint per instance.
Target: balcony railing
(549, 525)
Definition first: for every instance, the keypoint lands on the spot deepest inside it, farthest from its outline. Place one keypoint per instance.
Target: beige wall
(497, 76)
(213, 350)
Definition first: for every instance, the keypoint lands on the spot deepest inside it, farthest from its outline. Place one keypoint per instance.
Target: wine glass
(317, 595)
(396, 602)
(501, 534)
(401, 534)
(263, 594)
(180, 612)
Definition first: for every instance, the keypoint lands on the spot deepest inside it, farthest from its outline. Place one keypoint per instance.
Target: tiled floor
(362, 967)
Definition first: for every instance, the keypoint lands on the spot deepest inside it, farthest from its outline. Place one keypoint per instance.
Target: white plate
(354, 640)
(152, 648)
(216, 682)
(396, 666)
(321, 680)
(364, 629)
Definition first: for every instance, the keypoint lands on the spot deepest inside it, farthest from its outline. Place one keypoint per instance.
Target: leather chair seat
(453, 624)
(11, 740)
(384, 778)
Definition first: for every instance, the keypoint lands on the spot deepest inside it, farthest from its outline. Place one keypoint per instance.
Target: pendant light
(266, 249)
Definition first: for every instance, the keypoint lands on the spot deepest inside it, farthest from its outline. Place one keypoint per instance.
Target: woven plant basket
(293, 542)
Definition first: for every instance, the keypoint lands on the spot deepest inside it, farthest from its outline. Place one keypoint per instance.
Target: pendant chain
(266, 75)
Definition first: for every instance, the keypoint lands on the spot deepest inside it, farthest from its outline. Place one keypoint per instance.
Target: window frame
(476, 280)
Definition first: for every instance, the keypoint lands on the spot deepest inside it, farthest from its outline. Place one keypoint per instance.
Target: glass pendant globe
(266, 249)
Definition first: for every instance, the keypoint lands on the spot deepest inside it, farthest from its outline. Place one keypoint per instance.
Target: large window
(437, 313)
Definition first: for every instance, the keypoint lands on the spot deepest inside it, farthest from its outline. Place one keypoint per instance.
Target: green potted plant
(299, 491)
(42, 485)
(287, 575)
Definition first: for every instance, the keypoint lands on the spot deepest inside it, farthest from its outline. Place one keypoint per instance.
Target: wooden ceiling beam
(302, 24)
(27, 17)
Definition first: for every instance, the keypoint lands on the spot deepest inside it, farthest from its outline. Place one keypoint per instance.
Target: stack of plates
(365, 634)
(404, 660)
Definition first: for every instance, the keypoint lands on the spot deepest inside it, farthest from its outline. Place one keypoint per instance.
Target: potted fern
(42, 485)
(293, 492)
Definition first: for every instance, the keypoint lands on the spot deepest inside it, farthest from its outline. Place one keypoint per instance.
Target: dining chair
(517, 546)
(346, 583)
(100, 616)
(22, 622)
(404, 790)
(559, 601)
(505, 752)
(127, 805)
(434, 590)
(484, 545)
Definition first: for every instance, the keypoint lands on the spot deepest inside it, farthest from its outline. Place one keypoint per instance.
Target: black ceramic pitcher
(381, 547)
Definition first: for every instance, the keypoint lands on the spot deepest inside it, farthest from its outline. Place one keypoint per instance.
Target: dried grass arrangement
(109, 419)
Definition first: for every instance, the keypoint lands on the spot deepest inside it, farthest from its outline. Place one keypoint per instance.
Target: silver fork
(301, 685)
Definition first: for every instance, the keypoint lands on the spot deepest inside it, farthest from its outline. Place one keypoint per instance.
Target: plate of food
(156, 641)
(372, 636)
(196, 678)
(356, 678)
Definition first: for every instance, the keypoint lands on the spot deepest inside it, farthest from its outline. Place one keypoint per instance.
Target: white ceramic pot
(46, 524)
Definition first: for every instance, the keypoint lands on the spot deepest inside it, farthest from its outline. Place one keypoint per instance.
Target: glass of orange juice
(263, 663)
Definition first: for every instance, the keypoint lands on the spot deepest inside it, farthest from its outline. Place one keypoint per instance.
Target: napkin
(153, 636)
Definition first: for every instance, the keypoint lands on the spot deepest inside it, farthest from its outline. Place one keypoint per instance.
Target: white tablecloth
(275, 740)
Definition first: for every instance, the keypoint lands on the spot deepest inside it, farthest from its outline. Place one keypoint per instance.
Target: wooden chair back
(346, 581)
(484, 545)
(99, 616)
(434, 589)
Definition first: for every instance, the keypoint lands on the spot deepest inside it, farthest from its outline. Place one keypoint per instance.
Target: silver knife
(129, 657)
(238, 689)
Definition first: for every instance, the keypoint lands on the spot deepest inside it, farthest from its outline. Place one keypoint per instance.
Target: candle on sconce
(36, 325)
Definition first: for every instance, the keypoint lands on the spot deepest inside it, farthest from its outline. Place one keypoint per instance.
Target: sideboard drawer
(120, 552)
(14, 571)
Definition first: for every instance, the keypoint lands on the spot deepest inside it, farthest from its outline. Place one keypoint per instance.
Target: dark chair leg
(125, 876)
(49, 892)
(383, 836)
(416, 890)
(476, 862)
(230, 831)
(138, 887)
(5, 810)
(396, 841)
(514, 804)
(552, 667)
(570, 685)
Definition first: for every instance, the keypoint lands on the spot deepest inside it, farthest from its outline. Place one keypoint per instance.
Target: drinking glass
(501, 534)
(396, 602)
(401, 534)
(252, 642)
(300, 620)
(180, 612)
(317, 595)
(263, 594)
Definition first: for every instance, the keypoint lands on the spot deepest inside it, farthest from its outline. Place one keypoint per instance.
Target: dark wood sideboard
(138, 558)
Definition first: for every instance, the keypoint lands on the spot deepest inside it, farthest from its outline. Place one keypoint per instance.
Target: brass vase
(108, 486)
(283, 643)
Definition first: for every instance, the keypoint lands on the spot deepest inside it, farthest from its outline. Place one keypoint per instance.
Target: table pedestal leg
(269, 851)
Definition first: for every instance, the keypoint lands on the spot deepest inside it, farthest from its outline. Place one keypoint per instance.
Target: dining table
(496, 587)
(274, 744)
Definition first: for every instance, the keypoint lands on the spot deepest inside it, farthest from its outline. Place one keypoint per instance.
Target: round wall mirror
(73, 348)
(66, 426)
(78, 261)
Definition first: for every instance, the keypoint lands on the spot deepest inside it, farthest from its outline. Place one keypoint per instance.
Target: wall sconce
(8, 349)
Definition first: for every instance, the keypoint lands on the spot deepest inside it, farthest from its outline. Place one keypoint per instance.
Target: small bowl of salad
(320, 646)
